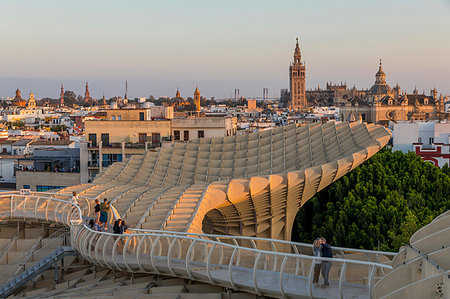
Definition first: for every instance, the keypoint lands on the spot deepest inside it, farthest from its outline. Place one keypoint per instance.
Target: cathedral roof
(357, 101)
(421, 99)
(380, 89)
(389, 101)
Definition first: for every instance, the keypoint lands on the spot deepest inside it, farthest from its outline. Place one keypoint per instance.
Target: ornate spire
(104, 100)
(297, 53)
(196, 90)
(178, 94)
(380, 76)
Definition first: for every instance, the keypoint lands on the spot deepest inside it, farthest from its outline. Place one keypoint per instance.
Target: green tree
(379, 205)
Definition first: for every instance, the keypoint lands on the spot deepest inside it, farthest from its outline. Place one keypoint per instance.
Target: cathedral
(381, 104)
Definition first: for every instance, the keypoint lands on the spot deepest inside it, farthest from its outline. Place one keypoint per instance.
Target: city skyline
(219, 48)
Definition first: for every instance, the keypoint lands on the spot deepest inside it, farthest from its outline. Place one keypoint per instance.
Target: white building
(430, 140)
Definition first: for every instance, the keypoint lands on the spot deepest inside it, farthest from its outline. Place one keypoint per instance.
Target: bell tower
(87, 95)
(297, 81)
(197, 99)
(61, 96)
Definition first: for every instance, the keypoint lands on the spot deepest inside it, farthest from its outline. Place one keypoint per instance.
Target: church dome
(178, 101)
(18, 101)
(380, 89)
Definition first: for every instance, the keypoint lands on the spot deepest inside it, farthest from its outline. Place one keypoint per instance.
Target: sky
(159, 46)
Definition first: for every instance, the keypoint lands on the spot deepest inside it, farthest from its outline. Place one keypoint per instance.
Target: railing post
(152, 254)
(283, 265)
(230, 274)
(372, 273)
(310, 283)
(255, 267)
(341, 280)
(169, 253)
(24, 205)
(188, 259)
(12, 199)
(208, 263)
(138, 257)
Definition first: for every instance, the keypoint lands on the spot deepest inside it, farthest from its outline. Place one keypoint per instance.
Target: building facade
(429, 140)
(382, 104)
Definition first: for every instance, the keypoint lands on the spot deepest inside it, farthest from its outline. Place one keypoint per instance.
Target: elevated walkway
(254, 265)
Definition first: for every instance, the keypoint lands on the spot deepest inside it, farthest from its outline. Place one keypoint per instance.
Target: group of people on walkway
(100, 220)
(120, 227)
(322, 249)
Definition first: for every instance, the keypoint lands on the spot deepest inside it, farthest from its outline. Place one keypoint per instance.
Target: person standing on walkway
(97, 211)
(104, 209)
(327, 252)
(317, 252)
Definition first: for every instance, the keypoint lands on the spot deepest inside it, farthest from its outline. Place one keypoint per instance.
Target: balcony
(92, 163)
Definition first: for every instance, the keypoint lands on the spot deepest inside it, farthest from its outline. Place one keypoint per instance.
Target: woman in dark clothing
(123, 227)
(117, 227)
(97, 211)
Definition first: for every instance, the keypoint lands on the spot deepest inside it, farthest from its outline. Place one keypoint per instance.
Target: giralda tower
(297, 81)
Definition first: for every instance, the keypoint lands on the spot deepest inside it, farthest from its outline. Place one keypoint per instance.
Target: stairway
(184, 209)
(161, 209)
(18, 281)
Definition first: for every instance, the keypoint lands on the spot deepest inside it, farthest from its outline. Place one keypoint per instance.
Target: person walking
(317, 252)
(97, 211)
(104, 209)
(327, 252)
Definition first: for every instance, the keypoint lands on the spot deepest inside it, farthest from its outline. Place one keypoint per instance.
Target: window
(431, 140)
(419, 140)
(142, 137)
(40, 188)
(141, 116)
(26, 186)
(176, 135)
(363, 116)
(93, 139)
(113, 117)
(186, 135)
(119, 117)
(201, 134)
(105, 139)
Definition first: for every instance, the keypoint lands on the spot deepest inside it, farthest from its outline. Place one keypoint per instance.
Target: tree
(379, 205)
(69, 97)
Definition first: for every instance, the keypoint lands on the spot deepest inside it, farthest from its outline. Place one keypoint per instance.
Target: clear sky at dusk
(219, 45)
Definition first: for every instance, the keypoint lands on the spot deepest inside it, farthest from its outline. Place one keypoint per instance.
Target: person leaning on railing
(317, 251)
(326, 265)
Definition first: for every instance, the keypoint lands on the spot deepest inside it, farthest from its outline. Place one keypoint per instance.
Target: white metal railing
(262, 266)
(86, 204)
(217, 262)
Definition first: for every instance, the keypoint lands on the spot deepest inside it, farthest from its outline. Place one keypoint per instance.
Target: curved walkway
(255, 265)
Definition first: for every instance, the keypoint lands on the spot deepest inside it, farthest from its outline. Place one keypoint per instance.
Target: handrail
(231, 237)
(425, 256)
(10, 243)
(155, 251)
(237, 247)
